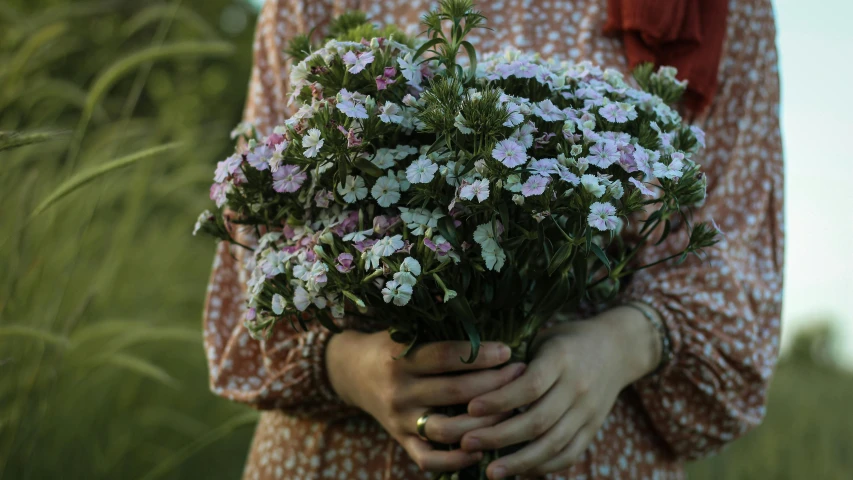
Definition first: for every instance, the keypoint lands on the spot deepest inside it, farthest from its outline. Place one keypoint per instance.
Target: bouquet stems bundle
(454, 200)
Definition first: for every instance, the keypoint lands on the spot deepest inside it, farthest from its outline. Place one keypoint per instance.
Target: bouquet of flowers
(449, 196)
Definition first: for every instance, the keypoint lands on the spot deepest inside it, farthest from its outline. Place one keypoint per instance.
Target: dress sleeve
(287, 371)
(722, 312)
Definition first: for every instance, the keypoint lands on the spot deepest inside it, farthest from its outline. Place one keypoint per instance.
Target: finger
(529, 425)
(431, 460)
(449, 430)
(460, 389)
(443, 357)
(537, 379)
(540, 451)
(570, 455)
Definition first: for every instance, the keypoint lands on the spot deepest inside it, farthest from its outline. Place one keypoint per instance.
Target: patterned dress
(722, 314)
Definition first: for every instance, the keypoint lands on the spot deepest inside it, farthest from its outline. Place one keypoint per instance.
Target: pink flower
(217, 193)
(603, 154)
(613, 112)
(382, 82)
(259, 157)
(641, 160)
(510, 153)
(274, 140)
(534, 185)
(566, 175)
(699, 134)
(602, 216)
(352, 139)
(641, 186)
(323, 197)
(387, 78)
(344, 262)
(251, 314)
(288, 179)
(440, 249)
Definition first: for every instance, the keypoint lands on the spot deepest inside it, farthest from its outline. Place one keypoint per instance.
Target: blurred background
(102, 372)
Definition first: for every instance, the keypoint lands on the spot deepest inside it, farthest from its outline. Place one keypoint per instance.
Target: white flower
(358, 236)
(399, 294)
(358, 61)
(388, 245)
(301, 299)
(484, 233)
(421, 170)
(515, 117)
(410, 69)
(312, 143)
(493, 255)
(371, 259)
(591, 184)
(479, 189)
(459, 123)
(390, 113)
(384, 158)
(411, 265)
(405, 278)
(513, 183)
(352, 110)
(278, 304)
(671, 171)
(386, 190)
(353, 189)
(518, 199)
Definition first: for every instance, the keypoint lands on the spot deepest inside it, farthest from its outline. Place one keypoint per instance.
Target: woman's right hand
(363, 371)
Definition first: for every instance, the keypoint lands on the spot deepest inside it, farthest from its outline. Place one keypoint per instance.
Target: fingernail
(498, 472)
(504, 352)
(472, 444)
(519, 370)
(476, 409)
(477, 456)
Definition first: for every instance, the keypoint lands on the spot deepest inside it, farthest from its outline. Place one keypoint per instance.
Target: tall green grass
(120, 109)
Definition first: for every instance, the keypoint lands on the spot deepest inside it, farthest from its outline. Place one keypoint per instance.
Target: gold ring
(422, 426)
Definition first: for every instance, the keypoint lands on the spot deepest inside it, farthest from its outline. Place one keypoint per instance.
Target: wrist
(636, 340)
(341, 353)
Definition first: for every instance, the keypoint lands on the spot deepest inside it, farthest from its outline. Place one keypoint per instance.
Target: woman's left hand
(576, 373)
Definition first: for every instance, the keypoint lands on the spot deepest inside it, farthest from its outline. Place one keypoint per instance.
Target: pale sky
(815, 43)
(815, 50)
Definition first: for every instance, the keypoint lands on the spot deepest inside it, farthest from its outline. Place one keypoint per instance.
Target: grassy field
(102, 373)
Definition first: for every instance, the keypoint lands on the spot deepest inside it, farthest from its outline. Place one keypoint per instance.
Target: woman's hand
(363, 371)
(577, 372)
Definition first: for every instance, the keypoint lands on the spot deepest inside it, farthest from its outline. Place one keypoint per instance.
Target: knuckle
(395, 400)
(538, 384)
(538, 424)
(582, 387)
(443, 432)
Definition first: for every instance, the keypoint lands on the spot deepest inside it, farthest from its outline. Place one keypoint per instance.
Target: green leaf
(367, 167)
(559, 257)
(86, 176)
(140, 366)
(647, 223)
(426, 46)
(36, 333)
(448, 231)
(19, 139)
(666, 227)
(504, 213)
(409, 345)
(326, 320)
(472, 56)
(601, 256)
(462, 310)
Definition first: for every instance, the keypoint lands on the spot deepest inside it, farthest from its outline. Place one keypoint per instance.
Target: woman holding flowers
(674, 373)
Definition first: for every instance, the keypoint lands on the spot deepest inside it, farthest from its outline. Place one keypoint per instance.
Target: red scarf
(685, 34)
